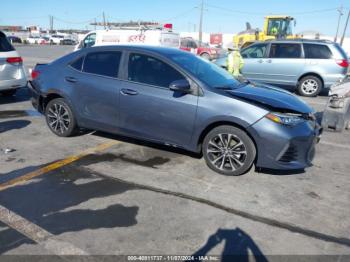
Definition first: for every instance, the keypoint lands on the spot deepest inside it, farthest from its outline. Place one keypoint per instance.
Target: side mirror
(182, 86)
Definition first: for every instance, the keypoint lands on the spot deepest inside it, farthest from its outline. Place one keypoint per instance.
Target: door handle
(269, 61)
(260, 61)
(128, 92)
(71, 79)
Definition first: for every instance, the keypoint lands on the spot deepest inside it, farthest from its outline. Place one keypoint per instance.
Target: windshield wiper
(241, 83)
(224, 87)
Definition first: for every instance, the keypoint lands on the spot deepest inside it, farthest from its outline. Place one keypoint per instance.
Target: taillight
(14, 60)
(35, 74)
(342, 62)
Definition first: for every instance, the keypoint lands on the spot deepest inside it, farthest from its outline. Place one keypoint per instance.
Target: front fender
(215, 109)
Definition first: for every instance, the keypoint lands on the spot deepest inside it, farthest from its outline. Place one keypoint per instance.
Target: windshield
(207, 72)
(280, 26)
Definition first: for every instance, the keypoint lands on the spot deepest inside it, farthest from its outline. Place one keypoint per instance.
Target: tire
(310, 86)
(205, 56)
(219, 155)
(10, 92)
(60, 118)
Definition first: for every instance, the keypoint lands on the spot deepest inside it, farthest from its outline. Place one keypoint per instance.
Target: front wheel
(229, 151)
(310, 86)
(60, 118)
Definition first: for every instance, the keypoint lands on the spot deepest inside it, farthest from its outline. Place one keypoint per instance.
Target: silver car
(308, 65)
(12, 72)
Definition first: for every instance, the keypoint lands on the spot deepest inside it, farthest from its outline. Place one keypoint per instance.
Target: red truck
(201, 49)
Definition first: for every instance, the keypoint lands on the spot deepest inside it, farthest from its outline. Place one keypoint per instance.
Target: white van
(133, 36)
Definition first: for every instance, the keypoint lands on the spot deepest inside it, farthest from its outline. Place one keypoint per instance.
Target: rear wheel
(229, 151)
(60, 118)
(206, 56)
(9, 92)
(310, 86)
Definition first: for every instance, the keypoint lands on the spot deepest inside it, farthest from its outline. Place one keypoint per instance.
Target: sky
(220, 16)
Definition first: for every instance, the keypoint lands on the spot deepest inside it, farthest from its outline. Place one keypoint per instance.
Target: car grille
(290, 155)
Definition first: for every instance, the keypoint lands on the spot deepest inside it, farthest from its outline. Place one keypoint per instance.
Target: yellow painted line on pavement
(56, 165)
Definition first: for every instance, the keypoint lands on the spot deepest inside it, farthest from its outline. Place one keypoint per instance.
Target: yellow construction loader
(275, 27)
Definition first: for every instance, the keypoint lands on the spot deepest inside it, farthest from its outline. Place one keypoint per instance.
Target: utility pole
(346, 25)
(95, 24)
(51, 23)
(201, 22)
(104, 20)
(340, 10)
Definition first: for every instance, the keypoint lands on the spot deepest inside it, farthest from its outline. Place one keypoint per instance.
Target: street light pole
(51, 23)
(104, 20)
(340, 10)
(201, 22)
(346, 25)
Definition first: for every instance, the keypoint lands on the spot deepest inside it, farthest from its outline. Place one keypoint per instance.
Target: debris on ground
(9, 150)
(337, 113)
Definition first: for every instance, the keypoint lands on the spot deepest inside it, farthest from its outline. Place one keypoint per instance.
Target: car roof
(155, 49)
(298, 40)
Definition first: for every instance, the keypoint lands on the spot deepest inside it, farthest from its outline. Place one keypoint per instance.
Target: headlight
(286, 119)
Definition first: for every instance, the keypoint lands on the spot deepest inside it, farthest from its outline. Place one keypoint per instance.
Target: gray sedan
(172, 97)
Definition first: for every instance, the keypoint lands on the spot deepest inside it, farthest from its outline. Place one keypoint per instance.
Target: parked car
(202, 49)
(308, 65)
(14, 39)
(33, 39)
(12, 72)
(44, 40)
(68, 41)
(173, 97)
(56, 39)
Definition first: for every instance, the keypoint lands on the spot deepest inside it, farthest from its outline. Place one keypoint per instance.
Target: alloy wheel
(226, 152)
(58, 118)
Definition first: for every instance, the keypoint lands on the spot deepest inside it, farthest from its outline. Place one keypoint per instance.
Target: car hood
(272, 97)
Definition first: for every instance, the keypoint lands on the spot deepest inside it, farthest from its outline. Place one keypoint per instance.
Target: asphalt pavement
(100, 194)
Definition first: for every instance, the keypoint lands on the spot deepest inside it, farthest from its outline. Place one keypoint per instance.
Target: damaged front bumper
(285, 147)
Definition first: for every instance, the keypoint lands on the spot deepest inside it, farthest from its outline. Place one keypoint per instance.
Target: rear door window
(256, 51)
(5, 45)
(343, 54)
(313, 51)
(78, 64)
(192, 44)
(285, 50)
(183, 43)
(102, 63)
(151, 71)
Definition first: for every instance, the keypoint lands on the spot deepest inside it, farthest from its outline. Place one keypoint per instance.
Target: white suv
(12, 72)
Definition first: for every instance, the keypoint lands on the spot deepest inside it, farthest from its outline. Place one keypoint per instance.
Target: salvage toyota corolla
(172, 97)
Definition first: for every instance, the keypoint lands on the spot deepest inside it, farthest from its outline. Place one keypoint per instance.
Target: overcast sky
(227, 16)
